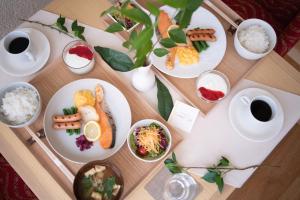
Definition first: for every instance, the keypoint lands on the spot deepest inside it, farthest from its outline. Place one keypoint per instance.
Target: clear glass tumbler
(180, 187)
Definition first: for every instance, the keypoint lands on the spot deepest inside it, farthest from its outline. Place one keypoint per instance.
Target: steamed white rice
(254, 38)
(19, 105)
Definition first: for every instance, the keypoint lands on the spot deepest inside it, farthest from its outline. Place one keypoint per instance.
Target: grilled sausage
(203, 37)
(66, 118)
(197, 31)
(67, 125)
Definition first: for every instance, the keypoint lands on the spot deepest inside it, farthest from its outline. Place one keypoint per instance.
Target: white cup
(245, 53)
(26, 54)
(248, 116)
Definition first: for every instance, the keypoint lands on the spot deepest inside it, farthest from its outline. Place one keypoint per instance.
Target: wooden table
(271, 70)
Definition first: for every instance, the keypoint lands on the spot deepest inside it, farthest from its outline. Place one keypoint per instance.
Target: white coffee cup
(248, 115)
(27, 53)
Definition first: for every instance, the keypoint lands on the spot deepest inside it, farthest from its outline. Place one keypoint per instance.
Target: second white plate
(209, 59)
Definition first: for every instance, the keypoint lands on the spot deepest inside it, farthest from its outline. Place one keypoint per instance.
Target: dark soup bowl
(98, 179)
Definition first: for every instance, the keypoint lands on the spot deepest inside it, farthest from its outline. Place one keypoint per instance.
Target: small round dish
(10, 88)
(131, 141)
(213, 80)
(83, 65)
(110, 171)
(245, 53)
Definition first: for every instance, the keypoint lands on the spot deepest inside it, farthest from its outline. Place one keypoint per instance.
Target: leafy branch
(215, 174)
(141, 42)
(59, 25)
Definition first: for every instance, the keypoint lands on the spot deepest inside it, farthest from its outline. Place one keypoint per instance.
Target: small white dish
(136, 23)
(209, 59)
(245, 53)
(11, 87)
(65, 145)
(249, 128)
(22, 67)
(146, 122)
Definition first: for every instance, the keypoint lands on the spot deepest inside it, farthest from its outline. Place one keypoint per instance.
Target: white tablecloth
(211, 136)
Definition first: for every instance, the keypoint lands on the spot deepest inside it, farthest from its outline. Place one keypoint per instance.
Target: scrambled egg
(83, 98)
(187, 55)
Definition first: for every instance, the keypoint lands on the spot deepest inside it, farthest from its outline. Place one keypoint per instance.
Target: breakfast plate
(247, 126)
(208, 59)
(20, 68)
(65, 144)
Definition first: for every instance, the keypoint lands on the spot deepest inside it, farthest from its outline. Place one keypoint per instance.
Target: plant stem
(48, 25)
(231, 168)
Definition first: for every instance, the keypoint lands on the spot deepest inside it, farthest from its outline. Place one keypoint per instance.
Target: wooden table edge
(36, 176)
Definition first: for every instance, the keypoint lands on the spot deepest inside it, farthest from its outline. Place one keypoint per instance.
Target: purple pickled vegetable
(82, 143)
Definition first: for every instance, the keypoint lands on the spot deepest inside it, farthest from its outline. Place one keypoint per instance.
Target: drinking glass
(180, 187)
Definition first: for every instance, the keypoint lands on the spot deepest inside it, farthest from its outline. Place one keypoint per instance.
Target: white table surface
(212, 136)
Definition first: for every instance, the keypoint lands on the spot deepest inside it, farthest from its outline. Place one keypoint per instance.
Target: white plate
(15, 67)
(64, 144)
(237, 110)
(209, 59)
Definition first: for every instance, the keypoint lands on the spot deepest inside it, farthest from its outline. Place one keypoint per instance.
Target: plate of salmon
(83, 121)
(204, 48)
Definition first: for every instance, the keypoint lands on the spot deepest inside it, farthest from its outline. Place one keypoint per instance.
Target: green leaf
(61, 20)
(223, 162)
(174, 157)
(153, 9)
(167, 42)
(108, 186)
(109, 11)
(77, 30)
(165, 101)
(185, 18)
(126, 44)
(178, 16)
(140, 61)
(115, 27)
(60, 23)
(174, 3)
(82, 37)
(62, 27)
(143, 37)
(174, 168)
(185, 15)
(160, 52)
(117, 60)
(177, 35)
(220, 182)
(193, 5)
(137, 15)
(169, 160)
(210, 177)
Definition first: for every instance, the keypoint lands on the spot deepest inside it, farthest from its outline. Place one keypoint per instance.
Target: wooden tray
(234, 66)
(57, 75)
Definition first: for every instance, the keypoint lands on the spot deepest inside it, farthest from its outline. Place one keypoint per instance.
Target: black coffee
(18, 45)
(261, 110)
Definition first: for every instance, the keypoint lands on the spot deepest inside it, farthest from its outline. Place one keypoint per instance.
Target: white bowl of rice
(20, 104)
(254, 38)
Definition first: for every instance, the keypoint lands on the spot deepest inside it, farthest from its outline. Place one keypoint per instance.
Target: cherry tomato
(142, 151)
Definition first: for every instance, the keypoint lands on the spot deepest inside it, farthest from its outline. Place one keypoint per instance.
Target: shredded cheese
(149, 138)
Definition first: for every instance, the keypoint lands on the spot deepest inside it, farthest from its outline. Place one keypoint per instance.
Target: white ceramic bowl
(146, 122)
(242, 51)
(11, 87)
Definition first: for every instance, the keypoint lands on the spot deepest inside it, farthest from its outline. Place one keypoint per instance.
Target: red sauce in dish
(211, 95)
(82, 51)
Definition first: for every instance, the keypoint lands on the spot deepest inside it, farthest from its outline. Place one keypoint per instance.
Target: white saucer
(20, 68)
(237, 110)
